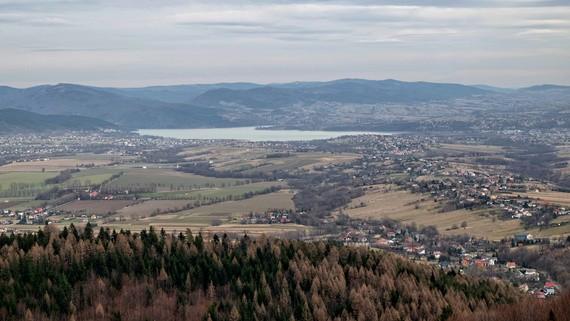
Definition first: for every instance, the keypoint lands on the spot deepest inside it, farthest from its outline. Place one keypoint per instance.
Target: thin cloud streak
(270, 41)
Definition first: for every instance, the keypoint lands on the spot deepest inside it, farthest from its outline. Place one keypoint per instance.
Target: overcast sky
(143, 42)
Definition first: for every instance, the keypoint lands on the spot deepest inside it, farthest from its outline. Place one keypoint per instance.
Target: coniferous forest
(74, 274)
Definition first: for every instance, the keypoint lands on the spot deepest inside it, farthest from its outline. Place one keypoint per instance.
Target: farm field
(401, 206)
(305, 161)
(489, 149)
(559, 231)
(9, 203)
(220, 155)
(277, 230)
(259, 229)
(58, 164)
(165, 179)
(564, 153)
(225, 211)
(550, 197)
(215, 192)
(94, 175)
(478, 224)
(97, 207)
(27, 204)
(147, 208)
(463, 164)
(17, 204)
(263, 160)
(386, 201)
(31, 179)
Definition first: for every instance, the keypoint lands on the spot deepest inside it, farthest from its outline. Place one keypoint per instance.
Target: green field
(30, 179)
(94, 175)
(36, 180)
(168, 179)
(216, 192)
(295, 161)
(223, 212)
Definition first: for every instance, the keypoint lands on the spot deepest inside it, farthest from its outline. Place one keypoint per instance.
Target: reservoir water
(251, 134)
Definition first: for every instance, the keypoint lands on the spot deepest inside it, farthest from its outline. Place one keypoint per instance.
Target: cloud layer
(132, 43)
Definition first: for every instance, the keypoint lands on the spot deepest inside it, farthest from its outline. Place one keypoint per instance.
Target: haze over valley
(347, 104)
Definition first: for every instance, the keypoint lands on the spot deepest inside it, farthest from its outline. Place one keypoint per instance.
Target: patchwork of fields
(96, 207)
(159, 195)
(168, 180)
(220, 216)
(248, 161)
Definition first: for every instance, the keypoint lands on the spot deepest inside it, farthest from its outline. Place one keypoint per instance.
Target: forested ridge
(529, 309)
(75, 275)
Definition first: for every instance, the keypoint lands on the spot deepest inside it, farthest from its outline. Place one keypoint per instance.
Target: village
(461, 254)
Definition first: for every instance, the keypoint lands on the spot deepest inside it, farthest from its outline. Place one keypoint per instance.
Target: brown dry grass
(98, 207)
(282, 230)
(548, 197)
(406, 207)
(52, 165)
(473, 148)
(255, 159)
(224, 212)
(202, 218)
(147, 208)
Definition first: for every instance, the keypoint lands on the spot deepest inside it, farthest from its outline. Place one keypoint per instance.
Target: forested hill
(16, 121)
(68, 275)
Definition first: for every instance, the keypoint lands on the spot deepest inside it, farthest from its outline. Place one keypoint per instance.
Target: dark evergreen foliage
(74, 275)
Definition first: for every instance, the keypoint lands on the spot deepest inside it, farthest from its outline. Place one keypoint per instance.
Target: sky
(133, 43)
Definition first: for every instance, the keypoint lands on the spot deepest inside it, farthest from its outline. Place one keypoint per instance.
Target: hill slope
(357, 91)
(13, 120)
(68, 99)
(545, 87)
(131, 276)
(343, 103)
(177, 93)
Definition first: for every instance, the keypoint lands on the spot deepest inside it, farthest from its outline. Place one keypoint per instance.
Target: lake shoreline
(254, 133)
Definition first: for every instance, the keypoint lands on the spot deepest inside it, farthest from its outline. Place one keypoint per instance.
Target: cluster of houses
(466, 255)
(28, 216)
(34, 147)
(275, 216)
(376, 146)
(39, 216)
(476, 189)
(386, 158)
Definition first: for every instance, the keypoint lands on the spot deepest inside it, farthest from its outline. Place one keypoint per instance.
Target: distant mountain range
(177, 93)
(229, 104)
(355, 91)
(125, 111)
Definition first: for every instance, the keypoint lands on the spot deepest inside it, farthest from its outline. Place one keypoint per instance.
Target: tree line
(74, 274)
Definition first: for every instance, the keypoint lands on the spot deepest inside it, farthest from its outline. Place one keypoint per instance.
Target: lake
(251, 134)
